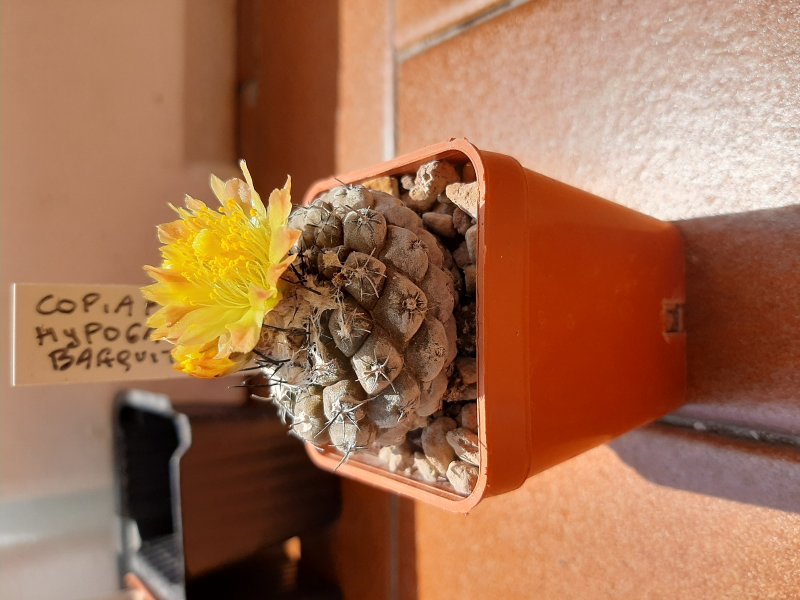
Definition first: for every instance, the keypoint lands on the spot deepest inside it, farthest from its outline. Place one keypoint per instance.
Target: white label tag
(84, 333)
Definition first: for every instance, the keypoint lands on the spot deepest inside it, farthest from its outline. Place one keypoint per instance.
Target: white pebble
(395, 458)
(434, 443)
(465, 445)
(424, 468)
(431, 180)
(464, 196)
(462, 476)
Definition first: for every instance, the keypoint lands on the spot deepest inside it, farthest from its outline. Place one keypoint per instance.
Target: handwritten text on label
(81, 333)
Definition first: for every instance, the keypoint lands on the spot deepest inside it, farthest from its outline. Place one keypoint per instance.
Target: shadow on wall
(743, 317)
(750, 472)
(743, 320)
(287, 76)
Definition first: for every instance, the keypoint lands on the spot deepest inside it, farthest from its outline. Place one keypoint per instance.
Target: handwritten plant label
(85, 333)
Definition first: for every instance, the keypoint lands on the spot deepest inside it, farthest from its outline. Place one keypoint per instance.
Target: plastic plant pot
(579, 323)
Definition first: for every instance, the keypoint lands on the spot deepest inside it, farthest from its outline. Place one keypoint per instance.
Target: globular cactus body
(361, 350)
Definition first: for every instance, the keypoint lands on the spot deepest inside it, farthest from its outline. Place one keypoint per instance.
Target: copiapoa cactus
(358, 309)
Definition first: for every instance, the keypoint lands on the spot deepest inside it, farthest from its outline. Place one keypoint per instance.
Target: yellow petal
(239, 191)
(199, 361)
(280, 205)
(218, 187)
(164, 275)
(206, 244)
(171, 232)
(243, 334)
(281, 242)
(258, 296)
(204, 325)
(255, 199)
(171, 293)
(194, 204)
(167, 316)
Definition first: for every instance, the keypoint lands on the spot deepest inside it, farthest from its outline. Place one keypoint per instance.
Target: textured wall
(679, 109)
(109, 110)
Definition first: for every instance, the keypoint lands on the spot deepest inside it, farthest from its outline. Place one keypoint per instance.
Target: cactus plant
(361, 348)
(364, 329)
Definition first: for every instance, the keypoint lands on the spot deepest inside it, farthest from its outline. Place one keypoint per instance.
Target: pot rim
(565, 367)
(461, 150)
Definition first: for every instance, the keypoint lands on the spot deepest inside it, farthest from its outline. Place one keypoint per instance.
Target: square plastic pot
(580, 329)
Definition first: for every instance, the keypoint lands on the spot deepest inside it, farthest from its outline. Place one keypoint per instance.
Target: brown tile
(600, 527)
(314, 84)
(418, 20)
(406, 555)
(362, 542)
(680, 110)
(374, 545)
(364, 83)
(209, 82)
(287, 63)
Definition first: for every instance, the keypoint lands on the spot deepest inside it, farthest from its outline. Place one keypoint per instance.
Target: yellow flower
(200, 361)
(219, 273)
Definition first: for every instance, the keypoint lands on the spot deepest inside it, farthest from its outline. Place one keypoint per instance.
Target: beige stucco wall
(109, 110)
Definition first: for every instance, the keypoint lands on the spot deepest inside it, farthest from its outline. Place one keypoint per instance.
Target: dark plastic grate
(163, 555)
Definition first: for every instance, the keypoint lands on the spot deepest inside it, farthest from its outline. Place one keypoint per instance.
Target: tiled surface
(670, 113)
(661, 111)
(363, 542)
(741, 470)
(416, 21)
(596, 528)
(364, 98)
(686, 112)
(288, 57)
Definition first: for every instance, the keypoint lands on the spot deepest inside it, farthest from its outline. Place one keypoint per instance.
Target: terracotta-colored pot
(580, 333)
